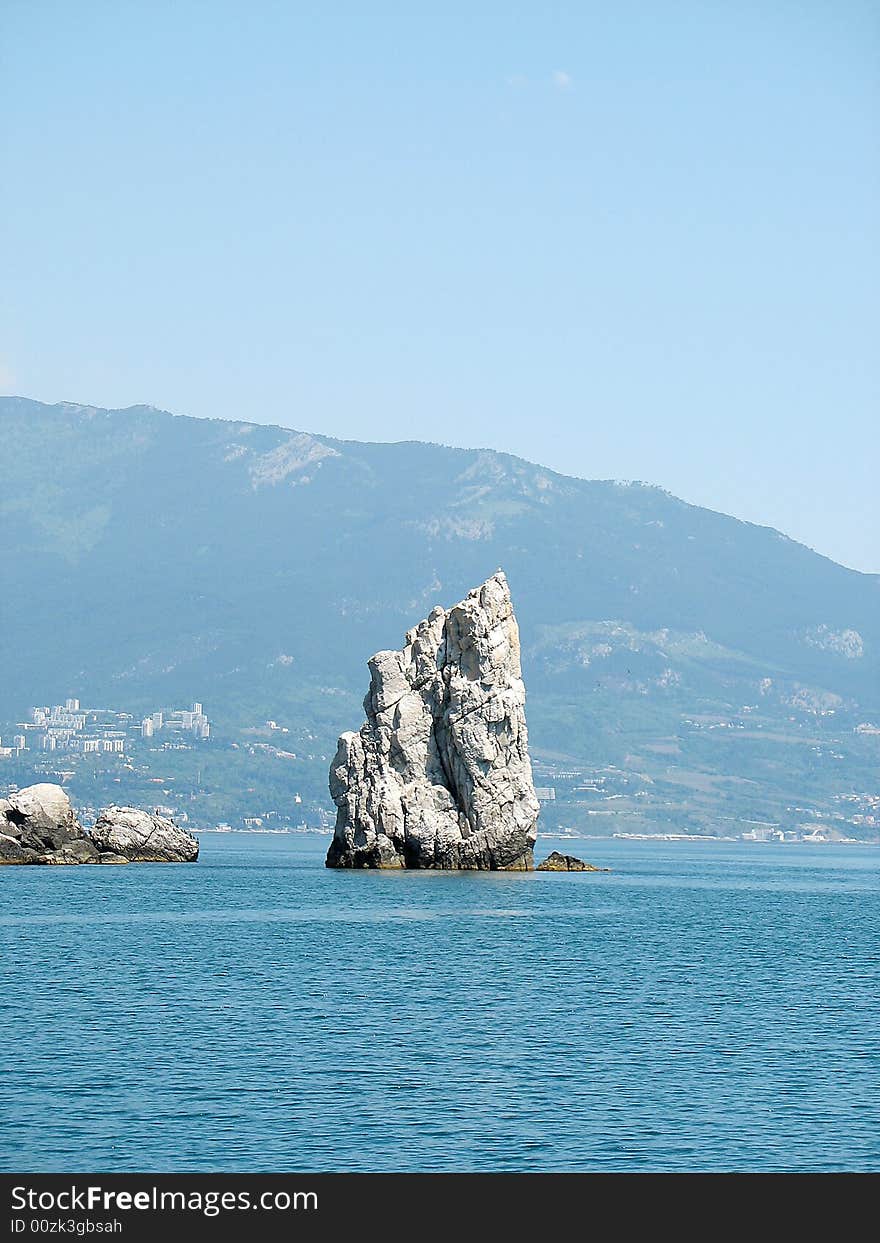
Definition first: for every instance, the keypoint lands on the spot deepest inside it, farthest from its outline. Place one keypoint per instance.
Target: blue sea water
(705, 1006)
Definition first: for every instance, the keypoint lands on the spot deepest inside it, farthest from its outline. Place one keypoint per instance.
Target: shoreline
(666, 838)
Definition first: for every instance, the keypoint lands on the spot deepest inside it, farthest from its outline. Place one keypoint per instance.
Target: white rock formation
(42, 812)
(38, 825)
(142, 837)
(439, 774)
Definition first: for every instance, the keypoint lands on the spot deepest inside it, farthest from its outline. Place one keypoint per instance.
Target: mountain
(716, 665)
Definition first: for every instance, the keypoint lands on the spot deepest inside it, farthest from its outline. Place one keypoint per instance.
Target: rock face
(40, 817)
(143, 838)
(38, 825)
(556, 862)
(439, 774)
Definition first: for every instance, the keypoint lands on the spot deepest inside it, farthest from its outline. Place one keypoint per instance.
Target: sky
(628, 240)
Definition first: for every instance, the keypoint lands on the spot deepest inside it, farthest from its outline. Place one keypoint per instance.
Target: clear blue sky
(632, 240)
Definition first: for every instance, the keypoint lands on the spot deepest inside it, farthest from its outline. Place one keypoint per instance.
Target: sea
(703, 1006)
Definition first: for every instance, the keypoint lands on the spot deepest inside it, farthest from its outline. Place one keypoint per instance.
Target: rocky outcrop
(556, 862)
(38, 825)
(39, 818)
(439, 774)
(143, 838)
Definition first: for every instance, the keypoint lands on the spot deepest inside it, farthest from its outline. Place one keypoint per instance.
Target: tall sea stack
(439, 775)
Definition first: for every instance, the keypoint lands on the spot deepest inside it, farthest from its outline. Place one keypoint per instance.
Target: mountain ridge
(334, 441)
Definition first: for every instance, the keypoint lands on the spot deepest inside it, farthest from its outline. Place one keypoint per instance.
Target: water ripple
(697, 1008)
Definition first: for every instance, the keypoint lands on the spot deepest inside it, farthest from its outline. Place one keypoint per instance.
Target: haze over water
(702, 1007)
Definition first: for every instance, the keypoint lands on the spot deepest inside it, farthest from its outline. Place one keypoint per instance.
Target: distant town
(610, 801)
(69, 727)
(167, 761)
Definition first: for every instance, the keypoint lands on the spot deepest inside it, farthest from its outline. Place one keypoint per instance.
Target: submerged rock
(556, 862)
(141, 837)
(439, 775)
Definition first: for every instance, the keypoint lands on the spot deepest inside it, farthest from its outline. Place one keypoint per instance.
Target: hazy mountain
(148, 557)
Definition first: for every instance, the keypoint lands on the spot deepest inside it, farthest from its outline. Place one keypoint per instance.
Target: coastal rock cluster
(439, 774)
(38, 825)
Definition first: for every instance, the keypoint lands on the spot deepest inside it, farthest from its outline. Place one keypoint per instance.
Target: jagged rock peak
(439, 775)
